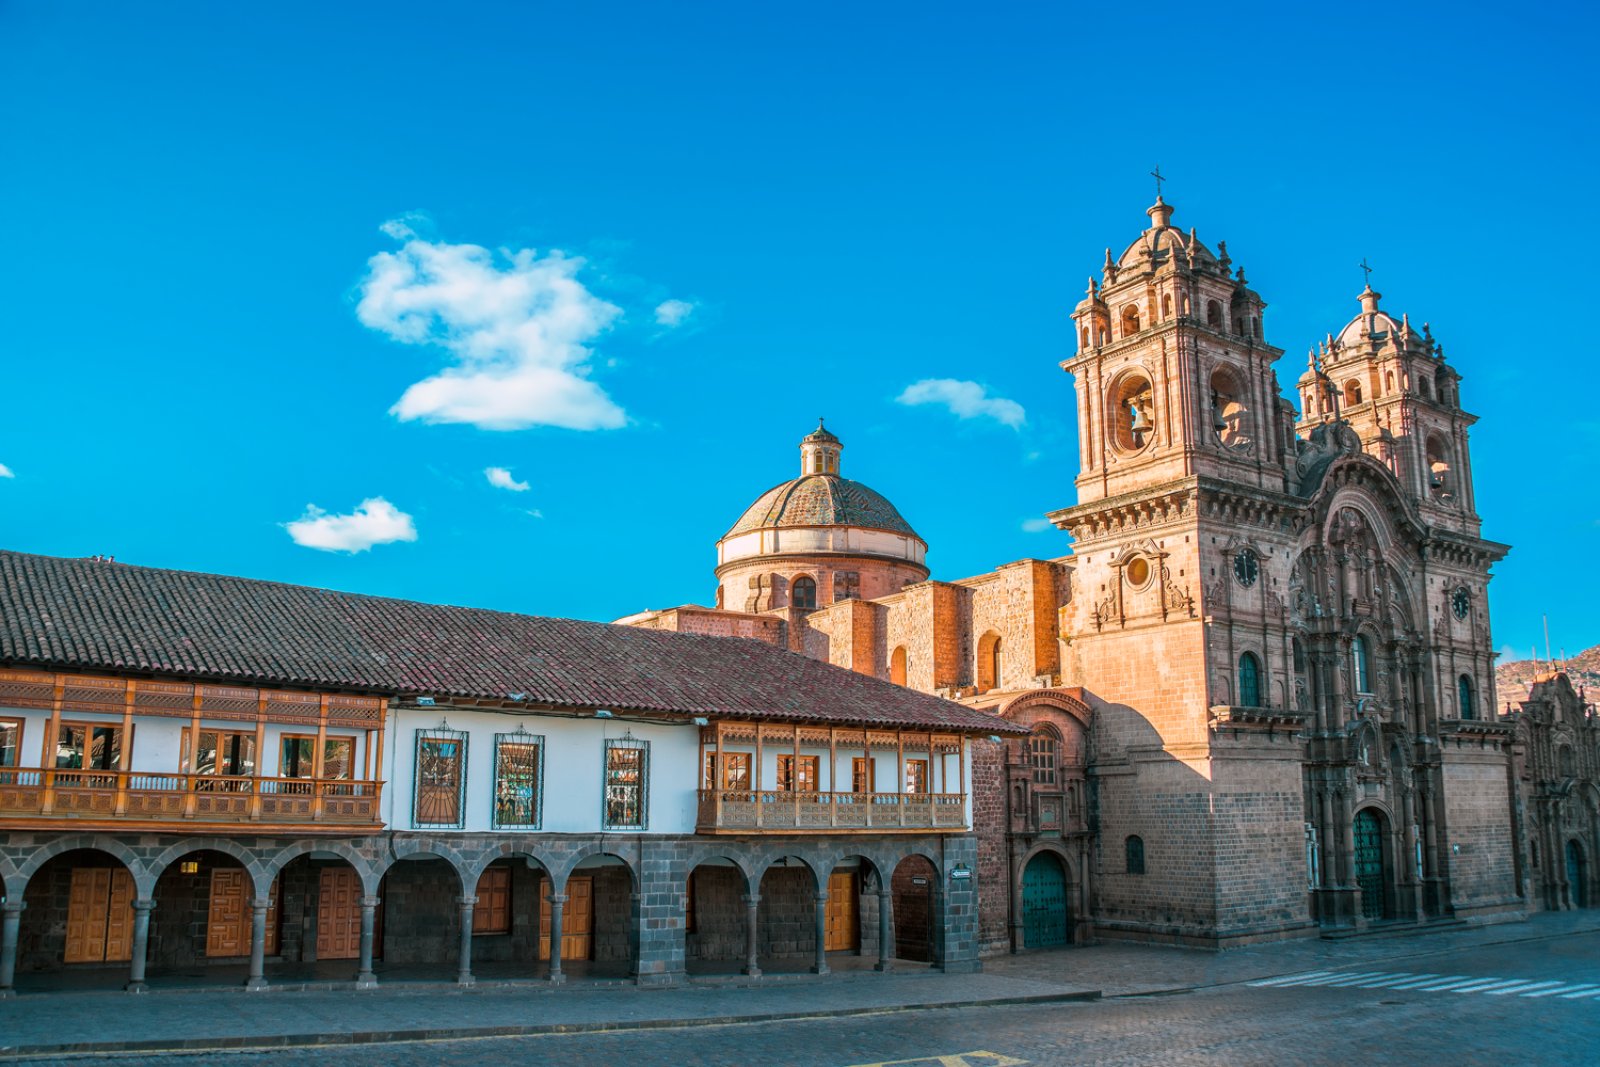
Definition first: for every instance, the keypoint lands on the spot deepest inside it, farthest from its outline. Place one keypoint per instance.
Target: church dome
(822, 500)
(823, 514)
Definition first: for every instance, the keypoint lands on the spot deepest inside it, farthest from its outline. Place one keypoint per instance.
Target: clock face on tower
(1246, 567)
(1461, 602)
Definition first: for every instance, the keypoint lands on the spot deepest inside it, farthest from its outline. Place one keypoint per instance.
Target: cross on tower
(1367, 271)
(1156, 174)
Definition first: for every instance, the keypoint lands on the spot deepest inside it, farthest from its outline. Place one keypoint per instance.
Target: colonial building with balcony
(199, 770)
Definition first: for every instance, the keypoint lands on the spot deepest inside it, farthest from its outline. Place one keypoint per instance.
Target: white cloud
(516, 325)
(6, 472)
(501, 478)
(1038, 525)
(967, 400)
(670, 313)
(374, 522)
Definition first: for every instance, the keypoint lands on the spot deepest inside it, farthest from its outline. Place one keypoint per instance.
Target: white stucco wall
(574, 756)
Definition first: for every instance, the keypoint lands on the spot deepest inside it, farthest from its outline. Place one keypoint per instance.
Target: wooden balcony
(730, 811)
(134, 800)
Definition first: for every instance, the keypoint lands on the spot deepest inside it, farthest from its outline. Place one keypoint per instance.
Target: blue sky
(265, 263)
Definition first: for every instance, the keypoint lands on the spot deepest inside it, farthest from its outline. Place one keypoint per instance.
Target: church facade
(1257, 688)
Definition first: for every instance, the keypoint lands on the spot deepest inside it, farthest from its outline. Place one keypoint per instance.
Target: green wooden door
(1575, 880)
(1044, 903)
(1370, 873)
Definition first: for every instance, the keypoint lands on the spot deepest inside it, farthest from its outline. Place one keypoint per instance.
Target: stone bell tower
(1183, 546)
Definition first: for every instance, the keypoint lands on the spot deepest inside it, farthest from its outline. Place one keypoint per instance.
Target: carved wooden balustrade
(135, 796)
(723, 810)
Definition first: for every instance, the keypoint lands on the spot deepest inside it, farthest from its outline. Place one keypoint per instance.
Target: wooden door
(492, 915)
(99, 915)
(339, 914)
(228, 917)
(577, 919)
(843, 919)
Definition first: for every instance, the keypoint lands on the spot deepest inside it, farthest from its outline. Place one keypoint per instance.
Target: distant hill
(1512, 679)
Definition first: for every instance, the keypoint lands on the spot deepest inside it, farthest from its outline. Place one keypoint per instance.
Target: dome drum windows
(803, 593)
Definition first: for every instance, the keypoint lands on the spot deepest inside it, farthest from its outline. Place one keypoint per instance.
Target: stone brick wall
(1478, 818)
(787, 921)
(420, 913)
(1258, 827)
(989, 826)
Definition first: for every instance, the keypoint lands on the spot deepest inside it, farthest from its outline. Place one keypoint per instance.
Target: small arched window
(1352, 393)
(1134, 848)
(1249, 680)
(1083, 337)
(1565, 763)
(803, 594)
(897, 666)
(1464, 697)
(1425, 386)
(1214, 314)
(987, 669)
(1044, 754)
(1166, 306)
(1361, 664)
(1130, 320)
(1388, 381)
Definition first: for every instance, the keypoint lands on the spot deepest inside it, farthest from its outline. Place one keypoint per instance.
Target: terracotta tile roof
(70, 614)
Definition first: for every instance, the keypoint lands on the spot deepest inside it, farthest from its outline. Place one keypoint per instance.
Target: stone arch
(742, 861)
(560, 872)
(253, 862)
(918, 910)
(365, 869)
(810, 861)
(1130, 410)
(143, 880)
(405, 849)
(897, 665)
(480, 861)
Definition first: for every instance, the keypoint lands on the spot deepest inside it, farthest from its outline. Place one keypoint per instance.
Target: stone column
(258, 944)
(10, 921)
(821, 966)
(635, 921)
(141, 944)
(752, 905)
(557, 903)
(885, 927)
(464, 970)
(365, 979)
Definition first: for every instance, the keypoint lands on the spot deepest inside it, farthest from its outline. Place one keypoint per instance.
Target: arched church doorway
(1045, 919)
(1577, 876)
(1372, 868)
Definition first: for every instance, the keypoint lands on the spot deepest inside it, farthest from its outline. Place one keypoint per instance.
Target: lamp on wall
(701, 720)
(603, 713)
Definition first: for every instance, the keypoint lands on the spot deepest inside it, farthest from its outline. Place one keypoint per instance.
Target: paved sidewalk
(1132, 970)
(58, 1022)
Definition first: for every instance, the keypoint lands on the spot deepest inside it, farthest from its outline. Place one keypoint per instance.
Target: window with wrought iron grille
(518, 780)
(441, 778)
(627, 785)
(1042, 748)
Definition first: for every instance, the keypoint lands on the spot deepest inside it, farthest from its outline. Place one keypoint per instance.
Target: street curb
(384, 1037)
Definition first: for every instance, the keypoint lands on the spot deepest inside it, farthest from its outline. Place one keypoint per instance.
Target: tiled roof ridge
(79, 614)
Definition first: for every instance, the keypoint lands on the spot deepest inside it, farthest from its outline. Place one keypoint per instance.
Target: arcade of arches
(333, 911)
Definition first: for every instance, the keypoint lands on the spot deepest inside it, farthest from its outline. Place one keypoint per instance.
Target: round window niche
(1132, 417)
(1137, 572)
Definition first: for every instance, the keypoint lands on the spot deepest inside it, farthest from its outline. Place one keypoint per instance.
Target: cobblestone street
(1463, 997)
